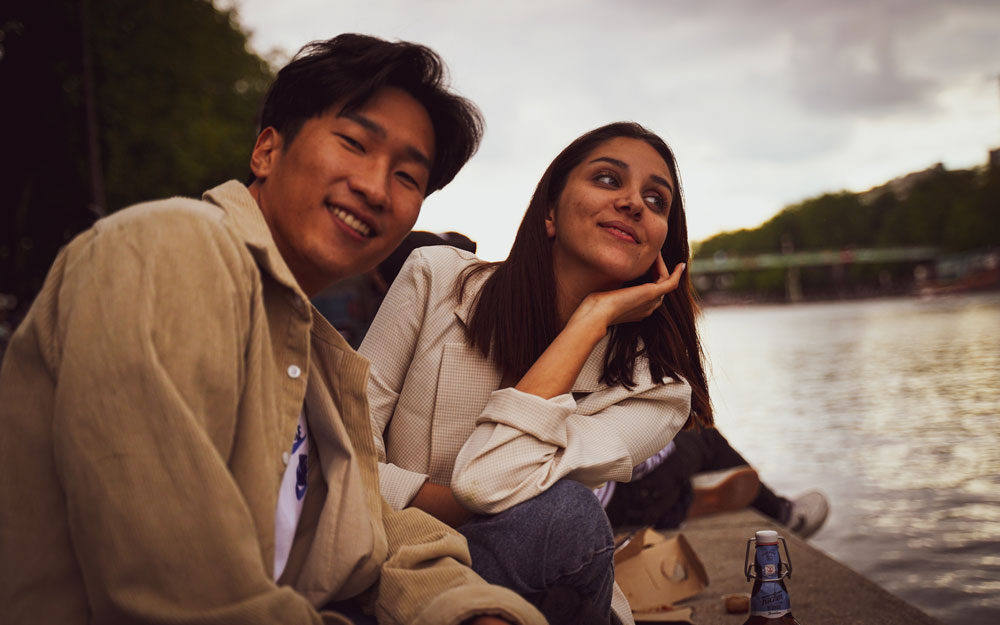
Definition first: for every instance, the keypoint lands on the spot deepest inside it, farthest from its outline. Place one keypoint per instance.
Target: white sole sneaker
(808, 513)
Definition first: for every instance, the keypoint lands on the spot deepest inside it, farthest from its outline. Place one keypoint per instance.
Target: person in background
(501, 393)
(351, 304)
(183, 439)
(699, 473)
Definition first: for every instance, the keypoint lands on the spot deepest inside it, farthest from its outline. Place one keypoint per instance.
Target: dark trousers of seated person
(663, 497)
(555, 550)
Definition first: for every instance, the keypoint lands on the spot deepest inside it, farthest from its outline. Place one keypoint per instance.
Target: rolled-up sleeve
(399, 486)
(523, 444)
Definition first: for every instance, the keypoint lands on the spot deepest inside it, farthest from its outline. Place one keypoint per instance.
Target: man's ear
(550, 224)
(265, 152)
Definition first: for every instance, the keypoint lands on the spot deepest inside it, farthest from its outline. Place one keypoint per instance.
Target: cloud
(765, 102)
(850, 65)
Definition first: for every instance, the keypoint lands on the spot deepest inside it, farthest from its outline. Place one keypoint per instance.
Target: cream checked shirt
(437, 412)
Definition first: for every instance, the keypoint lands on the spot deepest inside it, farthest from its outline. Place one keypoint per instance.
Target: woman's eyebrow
(663, 181)
(613, 161)
(624, 165)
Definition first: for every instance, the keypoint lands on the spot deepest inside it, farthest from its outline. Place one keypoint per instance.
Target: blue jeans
(556, 550)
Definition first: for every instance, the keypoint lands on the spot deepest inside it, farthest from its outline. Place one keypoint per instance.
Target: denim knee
(559, 538)
(570, 511)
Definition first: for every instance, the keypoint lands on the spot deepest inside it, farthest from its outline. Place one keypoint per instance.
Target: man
(182, 439)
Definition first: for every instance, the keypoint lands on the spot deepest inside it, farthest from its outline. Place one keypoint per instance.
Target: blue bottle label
(771, 599)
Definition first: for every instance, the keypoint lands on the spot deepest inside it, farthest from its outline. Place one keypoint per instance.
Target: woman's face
(611, 220)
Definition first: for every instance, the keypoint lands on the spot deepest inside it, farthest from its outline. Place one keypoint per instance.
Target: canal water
(892, 408)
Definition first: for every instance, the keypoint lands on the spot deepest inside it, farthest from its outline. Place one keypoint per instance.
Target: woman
(499, 388)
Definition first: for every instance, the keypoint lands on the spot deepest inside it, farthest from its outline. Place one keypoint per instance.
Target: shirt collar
(247, 222)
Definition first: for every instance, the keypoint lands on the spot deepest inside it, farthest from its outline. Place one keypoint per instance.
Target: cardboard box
(656, 572)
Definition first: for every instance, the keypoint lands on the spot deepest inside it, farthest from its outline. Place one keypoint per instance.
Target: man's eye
(408, 179)
(353, 143)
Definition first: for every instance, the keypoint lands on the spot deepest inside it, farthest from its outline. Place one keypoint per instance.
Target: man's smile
(352, 221)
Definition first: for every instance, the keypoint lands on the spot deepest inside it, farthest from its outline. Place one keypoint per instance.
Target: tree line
(111, 102)
(952, 210)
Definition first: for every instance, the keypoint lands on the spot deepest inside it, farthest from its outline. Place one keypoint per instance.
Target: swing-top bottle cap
(767, 537)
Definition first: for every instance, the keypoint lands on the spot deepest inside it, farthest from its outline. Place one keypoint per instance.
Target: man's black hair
(350, 69)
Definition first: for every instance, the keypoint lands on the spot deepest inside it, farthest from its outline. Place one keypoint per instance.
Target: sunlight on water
(890, 407)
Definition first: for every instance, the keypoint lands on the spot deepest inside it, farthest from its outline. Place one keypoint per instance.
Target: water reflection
(891, 408)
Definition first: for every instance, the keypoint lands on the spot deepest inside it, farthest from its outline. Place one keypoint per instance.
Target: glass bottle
(769, 602)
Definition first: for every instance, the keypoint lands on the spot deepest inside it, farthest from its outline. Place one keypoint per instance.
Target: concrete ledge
(823, 591)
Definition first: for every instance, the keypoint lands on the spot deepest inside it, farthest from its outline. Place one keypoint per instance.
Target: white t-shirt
(291, 494)
(641, 470)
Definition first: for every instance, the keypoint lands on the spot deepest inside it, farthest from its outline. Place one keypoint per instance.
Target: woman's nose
(630, 204)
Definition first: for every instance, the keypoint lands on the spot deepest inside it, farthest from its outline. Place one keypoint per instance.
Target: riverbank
(890, 408)
(823, 591)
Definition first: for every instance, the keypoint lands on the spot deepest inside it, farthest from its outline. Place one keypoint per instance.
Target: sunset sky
(765, 103)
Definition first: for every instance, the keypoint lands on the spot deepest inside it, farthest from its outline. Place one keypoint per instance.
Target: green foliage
(176, 93)
(186, 120)
(955, 210)
(768, 283)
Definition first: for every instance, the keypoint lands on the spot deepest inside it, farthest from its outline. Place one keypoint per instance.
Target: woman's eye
(656, 202)
(607, 178)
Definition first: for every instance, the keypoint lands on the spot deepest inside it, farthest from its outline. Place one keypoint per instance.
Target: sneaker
(723, 491)
(808, 513)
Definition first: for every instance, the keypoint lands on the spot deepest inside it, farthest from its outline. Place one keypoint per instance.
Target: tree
(957, 210)
(175, 92)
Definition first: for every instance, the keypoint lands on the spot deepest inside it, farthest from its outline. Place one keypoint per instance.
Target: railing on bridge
(721, 262)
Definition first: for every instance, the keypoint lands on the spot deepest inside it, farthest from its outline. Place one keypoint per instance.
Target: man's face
(345, 191)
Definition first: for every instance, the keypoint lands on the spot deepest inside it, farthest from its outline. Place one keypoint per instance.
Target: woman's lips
(620, 230)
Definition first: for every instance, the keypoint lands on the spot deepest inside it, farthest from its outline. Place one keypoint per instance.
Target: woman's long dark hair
(514, 318)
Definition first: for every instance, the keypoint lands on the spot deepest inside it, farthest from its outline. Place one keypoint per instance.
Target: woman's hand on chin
(561, 362)
(633, 303)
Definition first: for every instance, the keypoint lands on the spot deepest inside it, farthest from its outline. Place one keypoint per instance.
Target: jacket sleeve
(427, 579)
(524, 444)
(152, 324)
(390, 345)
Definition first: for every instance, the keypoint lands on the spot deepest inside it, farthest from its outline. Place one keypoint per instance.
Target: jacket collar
(247, 222)
(470, 296)
(589, 379)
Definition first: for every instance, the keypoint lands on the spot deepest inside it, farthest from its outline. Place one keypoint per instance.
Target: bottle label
(770, 599)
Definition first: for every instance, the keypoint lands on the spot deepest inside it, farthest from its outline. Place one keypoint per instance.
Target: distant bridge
(723, 263)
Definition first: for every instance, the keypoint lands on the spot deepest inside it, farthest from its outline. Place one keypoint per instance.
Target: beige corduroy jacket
(145, 405)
